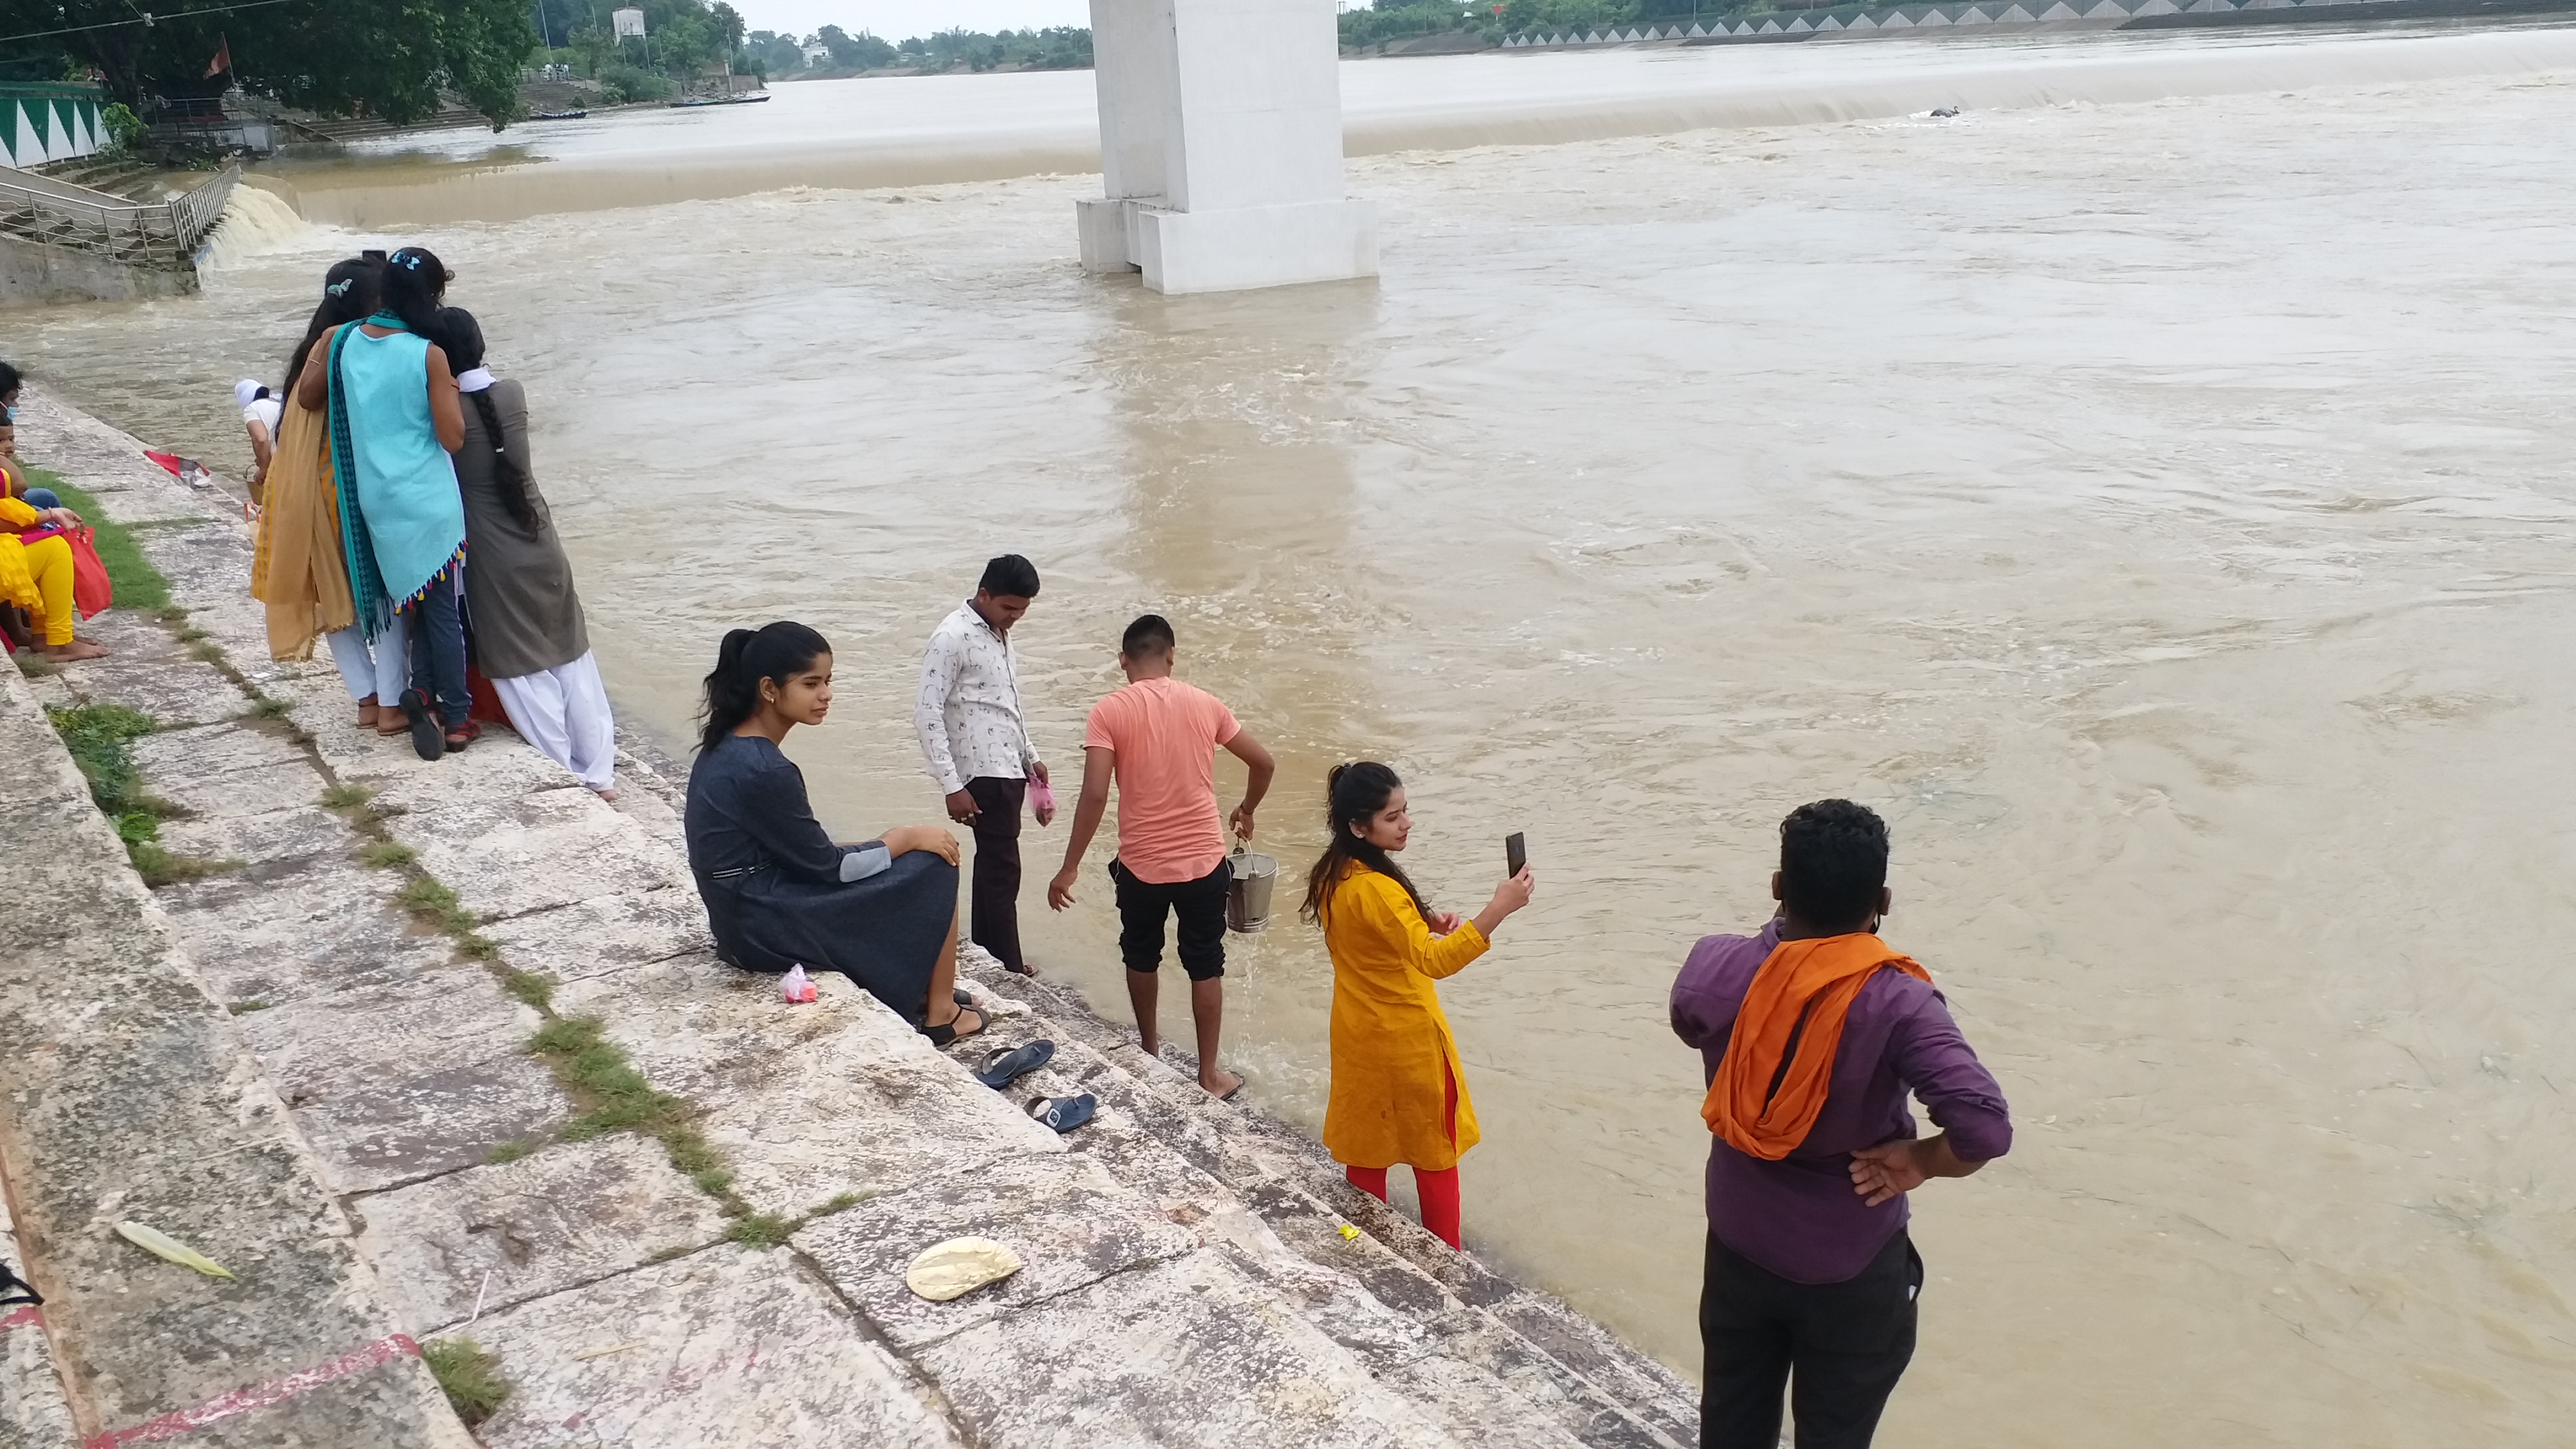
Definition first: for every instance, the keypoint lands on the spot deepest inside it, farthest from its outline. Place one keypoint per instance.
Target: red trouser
(1439, 1190)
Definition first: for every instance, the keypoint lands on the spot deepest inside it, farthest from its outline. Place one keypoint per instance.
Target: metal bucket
(1247, 896)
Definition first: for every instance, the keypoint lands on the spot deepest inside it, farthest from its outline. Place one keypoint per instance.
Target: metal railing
(163, 235)
(195, 214)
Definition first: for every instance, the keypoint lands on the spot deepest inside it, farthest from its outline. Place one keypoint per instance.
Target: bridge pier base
(1221, 147)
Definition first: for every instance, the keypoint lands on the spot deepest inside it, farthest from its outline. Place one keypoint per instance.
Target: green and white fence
(41, 122)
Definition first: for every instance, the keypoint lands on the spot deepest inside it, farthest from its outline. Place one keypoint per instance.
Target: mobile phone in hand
(1515, 853)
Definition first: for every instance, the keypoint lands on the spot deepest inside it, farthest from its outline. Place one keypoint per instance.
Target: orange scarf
(1816, 979)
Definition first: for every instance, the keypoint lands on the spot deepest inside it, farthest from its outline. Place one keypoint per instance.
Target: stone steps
(1188, 1276)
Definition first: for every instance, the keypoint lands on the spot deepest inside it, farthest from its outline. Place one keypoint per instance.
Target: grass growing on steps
(470, 1377)
(436, 904)
(612, 1096)
(346, 797)
(139, 586)
(535, 989)
(97, 735)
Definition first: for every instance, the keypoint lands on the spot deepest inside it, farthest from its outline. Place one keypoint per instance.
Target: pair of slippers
(1060, 1113)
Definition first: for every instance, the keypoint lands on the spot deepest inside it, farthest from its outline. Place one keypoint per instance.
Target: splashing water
(256, 222)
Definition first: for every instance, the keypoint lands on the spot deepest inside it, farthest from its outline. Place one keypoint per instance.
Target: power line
(144, 19)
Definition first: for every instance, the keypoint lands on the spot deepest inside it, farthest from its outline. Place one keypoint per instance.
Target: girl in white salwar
(528, 634)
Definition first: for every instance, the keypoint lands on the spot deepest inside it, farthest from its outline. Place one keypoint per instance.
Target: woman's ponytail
(1353, 795)
(779, 652)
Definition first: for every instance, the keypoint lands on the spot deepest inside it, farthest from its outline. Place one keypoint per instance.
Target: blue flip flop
(1065, 1113)
(1005, 1067)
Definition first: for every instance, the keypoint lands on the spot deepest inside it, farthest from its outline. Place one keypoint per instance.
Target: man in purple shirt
(1809, 1265)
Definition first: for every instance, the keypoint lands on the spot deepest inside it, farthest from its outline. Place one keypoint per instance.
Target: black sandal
(428, 736)
(1064, 1113)
(945, 1032)
(1009, 1064)
(17, 1292)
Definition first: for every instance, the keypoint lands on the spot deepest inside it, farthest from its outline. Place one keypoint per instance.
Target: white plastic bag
(795, 986)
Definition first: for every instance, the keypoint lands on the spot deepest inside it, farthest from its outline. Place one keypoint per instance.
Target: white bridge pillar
(1221, 147)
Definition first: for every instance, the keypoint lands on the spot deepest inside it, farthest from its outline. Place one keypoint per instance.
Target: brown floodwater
(2160, 509)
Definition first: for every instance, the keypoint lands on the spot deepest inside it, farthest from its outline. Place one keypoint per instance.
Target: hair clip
(339, 288)
(409, 261)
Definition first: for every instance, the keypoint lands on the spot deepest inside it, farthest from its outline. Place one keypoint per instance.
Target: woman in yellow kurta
(1399, 1094)
(37, 577)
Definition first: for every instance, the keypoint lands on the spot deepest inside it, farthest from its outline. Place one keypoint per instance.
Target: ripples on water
(2159, 510)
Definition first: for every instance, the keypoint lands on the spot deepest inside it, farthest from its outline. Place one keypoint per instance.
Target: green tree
(855, 52)
(779, 54)
(726, 24)
(387, 58)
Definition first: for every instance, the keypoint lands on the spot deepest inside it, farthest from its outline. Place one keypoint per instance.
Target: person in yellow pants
(37, 577)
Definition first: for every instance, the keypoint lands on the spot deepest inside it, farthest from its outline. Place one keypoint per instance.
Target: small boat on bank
(560, 116)
(750, 100)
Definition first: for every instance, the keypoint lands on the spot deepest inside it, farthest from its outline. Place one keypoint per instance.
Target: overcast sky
(896, 19)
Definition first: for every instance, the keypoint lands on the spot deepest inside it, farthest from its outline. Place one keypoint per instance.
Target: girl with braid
(529, 636)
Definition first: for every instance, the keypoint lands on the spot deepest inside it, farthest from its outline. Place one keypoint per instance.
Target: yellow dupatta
(298, 571)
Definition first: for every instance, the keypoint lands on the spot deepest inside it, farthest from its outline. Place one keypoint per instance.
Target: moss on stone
(470, 1377)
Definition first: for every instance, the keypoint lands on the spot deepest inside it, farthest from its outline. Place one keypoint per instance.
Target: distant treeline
(834, 51)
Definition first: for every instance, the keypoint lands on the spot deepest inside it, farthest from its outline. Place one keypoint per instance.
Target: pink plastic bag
(1041, 799)
(796, 987)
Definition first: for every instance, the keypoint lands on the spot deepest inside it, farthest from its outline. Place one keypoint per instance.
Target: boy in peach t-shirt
(1157, 738)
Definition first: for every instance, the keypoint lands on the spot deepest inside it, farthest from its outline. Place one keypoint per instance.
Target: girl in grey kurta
(529, 636)
(779, 891)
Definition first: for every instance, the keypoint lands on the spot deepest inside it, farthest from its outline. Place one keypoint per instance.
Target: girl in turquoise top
(395, 424)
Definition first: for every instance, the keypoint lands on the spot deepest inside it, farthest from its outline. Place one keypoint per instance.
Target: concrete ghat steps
(1494, 1363)
(127, 1093)
(1502, 1360)
(1188, 1281)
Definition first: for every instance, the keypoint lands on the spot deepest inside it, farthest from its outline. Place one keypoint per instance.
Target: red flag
(223, 60)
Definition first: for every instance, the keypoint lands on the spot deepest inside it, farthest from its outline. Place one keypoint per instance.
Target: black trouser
(1848, 1343)
(1200, 904)
(993, 920)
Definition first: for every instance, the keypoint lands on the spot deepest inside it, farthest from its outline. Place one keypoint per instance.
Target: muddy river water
(2150, 489)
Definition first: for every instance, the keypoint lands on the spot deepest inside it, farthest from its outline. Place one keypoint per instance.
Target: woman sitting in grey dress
(779, 892)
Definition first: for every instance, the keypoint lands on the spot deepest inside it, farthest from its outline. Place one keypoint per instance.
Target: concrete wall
(35, 275)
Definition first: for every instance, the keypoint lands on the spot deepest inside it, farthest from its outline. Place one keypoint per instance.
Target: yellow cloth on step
(17, 584)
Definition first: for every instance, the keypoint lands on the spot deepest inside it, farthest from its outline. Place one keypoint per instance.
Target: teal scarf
(402, 521)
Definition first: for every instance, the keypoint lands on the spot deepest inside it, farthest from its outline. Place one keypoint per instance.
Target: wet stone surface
(383, 1133)
(330, 927)
(510, 857)
(717, 1350)
(573, 1213)
(1067, 1220)
(1179, 1353)
(808, 1101)
(606, 933)
(328, 1048)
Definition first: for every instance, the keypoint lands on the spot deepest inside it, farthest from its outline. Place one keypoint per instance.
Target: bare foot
(608, 795)
(77, 649)
(1025, 968)
(1221, 1085)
